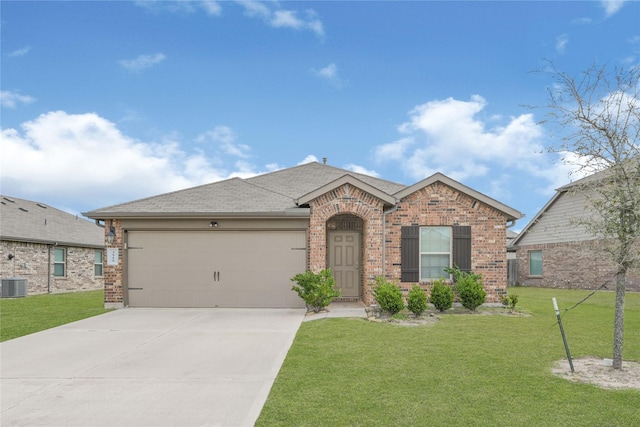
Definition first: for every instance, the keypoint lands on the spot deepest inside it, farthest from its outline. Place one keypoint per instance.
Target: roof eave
(52, 242)
(288, 213)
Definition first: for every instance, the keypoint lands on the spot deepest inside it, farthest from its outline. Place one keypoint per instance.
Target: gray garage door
(214, 269)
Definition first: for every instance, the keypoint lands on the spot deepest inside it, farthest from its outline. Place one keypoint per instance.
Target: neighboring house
(54, 250)
(554, 251)
(238, 242)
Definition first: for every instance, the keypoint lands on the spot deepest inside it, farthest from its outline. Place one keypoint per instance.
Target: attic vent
(41, 205)
(473, 205)
(23, 209)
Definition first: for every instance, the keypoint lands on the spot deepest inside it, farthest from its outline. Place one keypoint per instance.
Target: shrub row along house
(53, 250)
(556, 250)
(238, 242)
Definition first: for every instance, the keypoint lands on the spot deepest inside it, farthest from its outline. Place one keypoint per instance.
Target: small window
(59, 262)
(97, 265)
(535, 263)
(435, 252)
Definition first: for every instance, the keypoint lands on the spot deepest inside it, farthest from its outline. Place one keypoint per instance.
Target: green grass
(23, 316)
(464, 370)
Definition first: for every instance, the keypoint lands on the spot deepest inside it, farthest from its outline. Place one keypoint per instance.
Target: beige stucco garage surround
(237, 243)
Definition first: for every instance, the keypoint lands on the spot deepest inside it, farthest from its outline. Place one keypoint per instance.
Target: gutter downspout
(49, 269)
(384, 236)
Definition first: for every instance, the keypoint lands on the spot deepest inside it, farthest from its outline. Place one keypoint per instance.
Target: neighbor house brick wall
(572, 265)
(113, 274)
(34, 262)
(348, 199)
(441, 205)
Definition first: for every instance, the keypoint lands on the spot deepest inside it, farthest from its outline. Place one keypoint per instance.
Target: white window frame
(63, 263)
(443, 275)
(97, 264)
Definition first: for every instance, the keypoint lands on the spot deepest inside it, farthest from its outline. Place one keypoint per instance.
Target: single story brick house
(554, 251)
(54, 250)
(238, 242)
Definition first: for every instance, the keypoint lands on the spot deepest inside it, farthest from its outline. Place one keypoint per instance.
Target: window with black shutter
(422, 260)
(410, 254)
(462, 247)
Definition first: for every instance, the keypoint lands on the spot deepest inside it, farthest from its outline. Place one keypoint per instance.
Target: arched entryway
(344, 254)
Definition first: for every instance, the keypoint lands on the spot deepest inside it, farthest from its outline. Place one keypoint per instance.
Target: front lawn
(23, 316)
(470, 370)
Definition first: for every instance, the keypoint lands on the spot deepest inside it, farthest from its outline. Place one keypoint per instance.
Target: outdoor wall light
(213, 224)
(10, 257)
(111, 234)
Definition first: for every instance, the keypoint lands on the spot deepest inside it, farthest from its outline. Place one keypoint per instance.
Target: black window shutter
(410, 254)
(462, 247)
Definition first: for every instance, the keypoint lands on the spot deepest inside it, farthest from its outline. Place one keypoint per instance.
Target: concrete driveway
(147, 367)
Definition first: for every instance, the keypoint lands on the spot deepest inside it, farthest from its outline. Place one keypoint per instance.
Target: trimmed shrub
(317, 290)
(509, 301)
(469, 288)
(388, 295)
(417, 300)
(441, 295)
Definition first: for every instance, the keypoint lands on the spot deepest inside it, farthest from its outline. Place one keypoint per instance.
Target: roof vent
(23, 209)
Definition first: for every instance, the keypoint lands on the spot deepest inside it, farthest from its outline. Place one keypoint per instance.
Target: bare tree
(598, 120)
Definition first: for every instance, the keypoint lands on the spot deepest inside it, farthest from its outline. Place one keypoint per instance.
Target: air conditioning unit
(14, 287)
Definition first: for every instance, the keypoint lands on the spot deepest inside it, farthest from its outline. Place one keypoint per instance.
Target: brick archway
(341, 202)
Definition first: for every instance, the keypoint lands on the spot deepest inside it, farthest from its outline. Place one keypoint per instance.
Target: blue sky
(106, 102)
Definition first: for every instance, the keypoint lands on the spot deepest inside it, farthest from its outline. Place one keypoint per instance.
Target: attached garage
(214, 268)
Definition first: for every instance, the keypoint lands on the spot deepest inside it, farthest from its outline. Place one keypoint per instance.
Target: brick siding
(347, 199)
(31, 261)
(572, 265)
(441, 205)
(113, 274)
(437, 204)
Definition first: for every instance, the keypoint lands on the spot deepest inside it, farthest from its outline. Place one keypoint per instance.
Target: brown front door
(344, 259)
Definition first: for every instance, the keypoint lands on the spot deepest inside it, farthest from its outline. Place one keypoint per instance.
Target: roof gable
(346, 179)
(509, 212)
(29, 221)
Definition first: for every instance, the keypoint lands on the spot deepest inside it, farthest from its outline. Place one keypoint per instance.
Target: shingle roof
(273, 193)
(300, 180)
(28, 221)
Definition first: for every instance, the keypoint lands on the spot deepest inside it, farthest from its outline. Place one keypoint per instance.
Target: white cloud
(360, 169)
(611, 7)
(72, 159)
(330, 74)
(310, 158)
(10, 99)
(282, 18)
(142, 62)
(211, 7)
(561, 43)
(20, 52)
(292, 19)
(225, 140)
(448, 136)
(270, 12)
